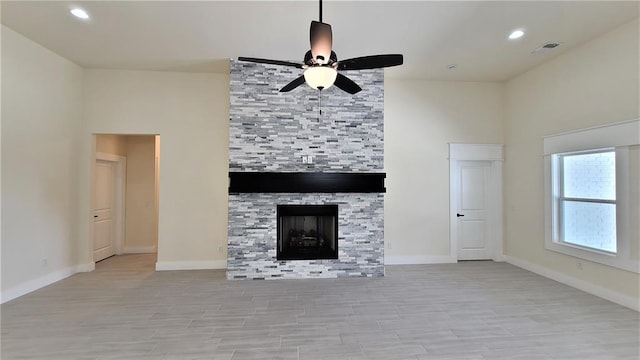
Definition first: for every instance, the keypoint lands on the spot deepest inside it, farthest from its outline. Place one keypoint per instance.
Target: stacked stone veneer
(253, 228)
(271, 132)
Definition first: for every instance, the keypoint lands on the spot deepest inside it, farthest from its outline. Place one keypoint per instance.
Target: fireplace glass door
(307, 232)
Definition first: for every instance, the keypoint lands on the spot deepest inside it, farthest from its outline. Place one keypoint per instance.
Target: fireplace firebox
(307, 232)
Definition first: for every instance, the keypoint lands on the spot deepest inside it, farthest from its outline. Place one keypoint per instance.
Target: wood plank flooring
(471, 310)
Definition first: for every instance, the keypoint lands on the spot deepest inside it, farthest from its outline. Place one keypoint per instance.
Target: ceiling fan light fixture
(321, 63)
(320, 77)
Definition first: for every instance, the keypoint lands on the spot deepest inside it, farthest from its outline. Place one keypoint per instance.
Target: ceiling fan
(321, 63)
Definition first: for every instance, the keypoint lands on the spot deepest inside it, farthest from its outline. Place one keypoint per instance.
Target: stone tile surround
(270, 132)
(253, 228)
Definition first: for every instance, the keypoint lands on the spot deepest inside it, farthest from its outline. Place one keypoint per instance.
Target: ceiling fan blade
(371, 62)
(271, 62)
(294, 84)
(346, 84)
(321, 41)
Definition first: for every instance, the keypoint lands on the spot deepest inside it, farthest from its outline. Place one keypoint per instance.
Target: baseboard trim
(35, 284)
(599, 291)
(418, 260)
(191, 265)
(139, 250)
(88, 267)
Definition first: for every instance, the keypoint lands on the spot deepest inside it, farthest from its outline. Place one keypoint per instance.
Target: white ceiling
(199, 35)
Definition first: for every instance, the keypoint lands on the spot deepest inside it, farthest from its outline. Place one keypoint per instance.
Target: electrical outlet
(220, 249)
(45, 262)
(579, 265)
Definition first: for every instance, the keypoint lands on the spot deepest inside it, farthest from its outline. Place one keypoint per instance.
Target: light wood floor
(472, 310)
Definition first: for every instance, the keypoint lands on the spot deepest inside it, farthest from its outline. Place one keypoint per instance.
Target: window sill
(601, 257)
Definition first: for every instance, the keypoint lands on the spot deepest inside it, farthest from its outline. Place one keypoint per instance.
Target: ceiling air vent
(545, 47)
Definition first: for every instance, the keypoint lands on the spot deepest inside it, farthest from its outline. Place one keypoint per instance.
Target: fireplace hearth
(307, 232)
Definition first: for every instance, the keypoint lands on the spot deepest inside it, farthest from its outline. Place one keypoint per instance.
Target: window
(592, 194)
(585, 199)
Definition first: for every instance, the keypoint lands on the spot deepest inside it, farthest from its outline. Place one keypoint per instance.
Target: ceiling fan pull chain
(320, 104)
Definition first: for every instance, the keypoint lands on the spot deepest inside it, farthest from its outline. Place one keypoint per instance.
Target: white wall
(421, 118)
(190, 112)
(41, 125)
(594, 84)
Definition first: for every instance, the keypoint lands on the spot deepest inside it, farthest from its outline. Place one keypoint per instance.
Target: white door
(103, 212)
(473, 210)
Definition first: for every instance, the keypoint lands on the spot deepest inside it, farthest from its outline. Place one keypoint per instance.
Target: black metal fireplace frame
(306, 210)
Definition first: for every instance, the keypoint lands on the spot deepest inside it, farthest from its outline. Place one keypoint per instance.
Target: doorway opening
(125, 195)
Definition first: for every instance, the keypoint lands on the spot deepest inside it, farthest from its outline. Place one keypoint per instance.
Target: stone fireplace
(290, 218)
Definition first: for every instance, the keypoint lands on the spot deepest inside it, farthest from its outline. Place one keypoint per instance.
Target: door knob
(458, 215)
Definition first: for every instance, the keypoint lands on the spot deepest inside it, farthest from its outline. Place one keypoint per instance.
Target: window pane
(590, 176)
(590, 224)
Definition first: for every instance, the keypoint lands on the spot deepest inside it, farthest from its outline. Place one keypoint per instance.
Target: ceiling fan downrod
(320, 11)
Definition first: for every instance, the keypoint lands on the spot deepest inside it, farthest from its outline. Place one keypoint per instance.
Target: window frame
(622, 136)
(560, 198)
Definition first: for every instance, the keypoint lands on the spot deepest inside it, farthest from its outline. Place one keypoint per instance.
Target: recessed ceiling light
(516, 34)
(79, 13)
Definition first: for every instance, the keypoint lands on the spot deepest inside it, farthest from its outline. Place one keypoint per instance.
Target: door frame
(478, 152)
(119, 203)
